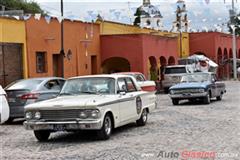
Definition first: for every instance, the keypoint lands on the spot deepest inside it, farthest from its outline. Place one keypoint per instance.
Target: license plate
(11, 100)
(59, 127)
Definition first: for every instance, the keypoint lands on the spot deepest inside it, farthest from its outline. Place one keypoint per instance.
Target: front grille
(186, 91)
(59, 114)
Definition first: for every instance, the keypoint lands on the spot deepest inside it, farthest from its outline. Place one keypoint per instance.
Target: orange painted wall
(45, 37)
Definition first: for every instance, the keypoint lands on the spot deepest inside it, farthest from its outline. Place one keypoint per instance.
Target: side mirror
(121, 92)
(214, 80)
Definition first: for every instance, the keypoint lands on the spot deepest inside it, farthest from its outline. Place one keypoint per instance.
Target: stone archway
(220, 63)
(225, 63)
(239, 54)
(153, 70)
(171, 61)
(230, 71)
(163, 63)
(115, 64)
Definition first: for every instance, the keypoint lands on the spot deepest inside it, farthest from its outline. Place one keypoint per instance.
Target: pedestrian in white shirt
(4, 107)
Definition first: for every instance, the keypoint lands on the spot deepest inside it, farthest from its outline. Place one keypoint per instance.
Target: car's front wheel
(175, 101)
(219, 98)
(207, 99)
(105, 132)
(143, 119)
(42, 136)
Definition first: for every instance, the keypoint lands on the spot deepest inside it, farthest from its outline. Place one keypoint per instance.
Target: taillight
(30, 96)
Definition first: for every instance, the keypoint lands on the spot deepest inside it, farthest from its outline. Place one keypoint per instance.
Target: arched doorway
(153, 70)
(239, 54)
(225, 64)
(220, 63)
(163, 63)
(171, 61)
(115, 64)
(230, 71)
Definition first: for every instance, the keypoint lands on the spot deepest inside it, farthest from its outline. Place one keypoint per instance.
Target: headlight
(201, 90)
(172, 92)
(82, 115)
(94, 114)
(37, 115)
(89, 114)
(28, 115)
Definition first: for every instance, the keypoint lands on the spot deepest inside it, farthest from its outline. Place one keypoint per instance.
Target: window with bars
(41, 62)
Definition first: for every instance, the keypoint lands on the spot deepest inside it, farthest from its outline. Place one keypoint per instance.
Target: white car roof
(2, 90)
(115, 76)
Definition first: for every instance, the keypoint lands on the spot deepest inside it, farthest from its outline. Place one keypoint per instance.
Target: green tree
(28, 7)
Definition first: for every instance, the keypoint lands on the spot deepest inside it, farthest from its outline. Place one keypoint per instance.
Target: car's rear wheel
(143, 119)
(106, 129)
(175, 101)
(207, 99)
(42, 136)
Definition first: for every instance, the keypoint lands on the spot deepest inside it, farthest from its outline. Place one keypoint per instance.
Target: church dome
(148, 10)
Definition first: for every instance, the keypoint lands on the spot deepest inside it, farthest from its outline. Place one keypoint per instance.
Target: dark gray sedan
(27, 91)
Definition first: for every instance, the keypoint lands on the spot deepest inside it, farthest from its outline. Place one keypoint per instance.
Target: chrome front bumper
(188, 95)
(63, 125)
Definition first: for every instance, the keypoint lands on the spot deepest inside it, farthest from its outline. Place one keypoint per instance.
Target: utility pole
(232, 16)
(62, 40)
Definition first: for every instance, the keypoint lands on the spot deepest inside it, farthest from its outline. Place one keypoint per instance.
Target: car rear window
(24, 84)
(175, 70)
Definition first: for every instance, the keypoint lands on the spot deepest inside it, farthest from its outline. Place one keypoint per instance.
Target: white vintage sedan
(4, 107)
(99, 102)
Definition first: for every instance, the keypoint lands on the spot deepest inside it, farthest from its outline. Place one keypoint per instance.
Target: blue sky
(201, 14)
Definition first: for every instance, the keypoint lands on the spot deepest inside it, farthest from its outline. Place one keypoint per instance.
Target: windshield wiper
(89, 92)
(65, 94)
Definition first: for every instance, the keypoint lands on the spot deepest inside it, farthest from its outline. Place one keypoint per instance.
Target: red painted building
(218, 47)
(138, 52)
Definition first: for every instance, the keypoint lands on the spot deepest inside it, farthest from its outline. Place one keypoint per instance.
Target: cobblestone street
(186, 127)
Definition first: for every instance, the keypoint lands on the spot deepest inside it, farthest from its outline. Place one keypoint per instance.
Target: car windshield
(175, 70)
(93, 85)
(28, 84)
(196, 78)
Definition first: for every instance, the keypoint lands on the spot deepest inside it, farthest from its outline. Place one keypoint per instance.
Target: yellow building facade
(14, 32)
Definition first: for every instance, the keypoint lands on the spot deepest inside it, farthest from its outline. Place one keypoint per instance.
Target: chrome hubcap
(144, 115)
(108, 125)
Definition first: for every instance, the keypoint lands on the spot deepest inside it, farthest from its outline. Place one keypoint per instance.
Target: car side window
(140, 78)
(130, 85)
(53, 85)
(122, 85)
(61, 82)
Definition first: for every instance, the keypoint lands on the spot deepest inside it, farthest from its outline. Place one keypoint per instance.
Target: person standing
(4, 107)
